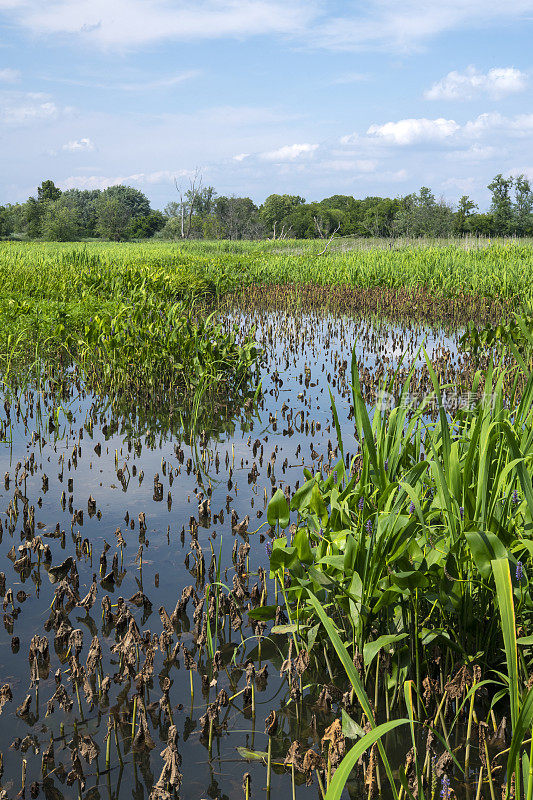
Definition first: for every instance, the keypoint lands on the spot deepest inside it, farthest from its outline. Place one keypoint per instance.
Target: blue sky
(313, 98)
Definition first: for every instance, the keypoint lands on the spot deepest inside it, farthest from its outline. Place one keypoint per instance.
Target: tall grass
(418, 552)
(497, 269)
(139, 331)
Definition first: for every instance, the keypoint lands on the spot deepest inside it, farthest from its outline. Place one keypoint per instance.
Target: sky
(307, 97)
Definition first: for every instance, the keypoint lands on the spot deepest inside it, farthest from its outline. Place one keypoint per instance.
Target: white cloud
(407, 25)
(496, 83)
(475, 153)
(130, 85)
(133, 23)
(241, 156)
(376, 24)
(351, 138)
(89, 182)
(483, 123)
(79, 145)
(522, 124)
(411, 131)
(8, 75)
(419, 131)
(22, 108)
(366, 165)
(519, 125)
(464, 185)
(164, 175)
(143, 178)
(526, 171)
(289, 152)
(159, 83)
(391, 176)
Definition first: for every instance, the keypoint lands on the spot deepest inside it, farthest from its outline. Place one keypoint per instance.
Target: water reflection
(113, 521)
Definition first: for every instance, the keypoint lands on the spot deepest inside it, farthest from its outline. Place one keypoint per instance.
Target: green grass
(135, 327)
(419, 555)
(500, 269)
(132, 315)
(409, 535)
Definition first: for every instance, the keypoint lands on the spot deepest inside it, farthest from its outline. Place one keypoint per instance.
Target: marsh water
(150, 487)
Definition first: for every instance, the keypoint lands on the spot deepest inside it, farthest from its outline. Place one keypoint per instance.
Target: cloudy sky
(311, 97)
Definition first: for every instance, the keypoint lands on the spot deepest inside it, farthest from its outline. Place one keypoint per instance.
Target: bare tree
(186, 203)
(329, 240)
(283, 234)
(318, 225)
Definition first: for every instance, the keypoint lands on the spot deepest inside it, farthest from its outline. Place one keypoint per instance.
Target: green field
(503, 268)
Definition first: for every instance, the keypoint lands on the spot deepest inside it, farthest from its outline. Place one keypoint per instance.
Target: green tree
(523, 207)
(48, 191)
(60, 222)
(145, 227)
(199, 207)
(276, 210)
(4, 222)
(501, 204)
(113, 217)
(133, 200)
(378, 216)
(35, 209)
(194, 200)
(172, 227)
(481, 224)
(15, 218)
(465, 209)
(422, 215)
(236, 218)
(33, 214)
(84, 201)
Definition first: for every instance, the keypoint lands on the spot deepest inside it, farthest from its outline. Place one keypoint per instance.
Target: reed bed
(500, 269)
(138, 331)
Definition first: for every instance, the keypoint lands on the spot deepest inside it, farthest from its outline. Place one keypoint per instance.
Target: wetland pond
(97, 503)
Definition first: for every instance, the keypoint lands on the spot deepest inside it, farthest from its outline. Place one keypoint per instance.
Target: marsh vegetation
(266, 521)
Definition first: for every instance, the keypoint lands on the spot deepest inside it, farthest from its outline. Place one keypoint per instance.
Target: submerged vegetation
(515, 335)
(320, 571)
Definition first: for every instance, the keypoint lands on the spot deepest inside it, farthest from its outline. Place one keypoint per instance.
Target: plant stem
(269, 765)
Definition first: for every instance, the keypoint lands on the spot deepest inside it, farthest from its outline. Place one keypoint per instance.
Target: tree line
(121, 213)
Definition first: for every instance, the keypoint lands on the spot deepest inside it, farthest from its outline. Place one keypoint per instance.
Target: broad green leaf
(301, 543)
(504, 591)
(362, 696)
(278, 510)
(284, 629)
(485, 547)
(371, 649)
(520, 731)
(318, 506)
(262, 612)
(350, 728)
(252, 755)
(302, 496)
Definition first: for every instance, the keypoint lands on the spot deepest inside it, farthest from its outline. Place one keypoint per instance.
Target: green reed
(421, 545)
(138, 331)
(491, 269)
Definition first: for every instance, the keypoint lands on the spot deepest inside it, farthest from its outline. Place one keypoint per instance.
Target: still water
(145, 507)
